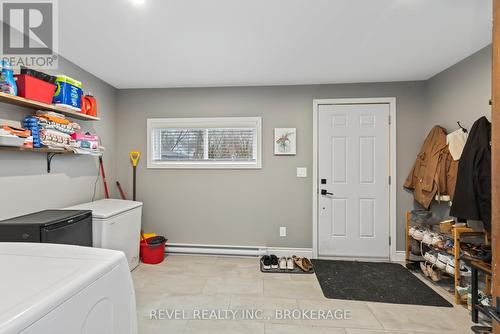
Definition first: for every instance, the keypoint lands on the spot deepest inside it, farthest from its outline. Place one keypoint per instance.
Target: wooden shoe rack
(457, 234)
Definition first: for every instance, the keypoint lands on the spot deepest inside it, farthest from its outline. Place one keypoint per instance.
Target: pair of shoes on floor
(269, 262)
(286, 263)
(303, 263)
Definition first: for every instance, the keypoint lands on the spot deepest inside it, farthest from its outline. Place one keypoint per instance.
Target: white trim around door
(391, 101)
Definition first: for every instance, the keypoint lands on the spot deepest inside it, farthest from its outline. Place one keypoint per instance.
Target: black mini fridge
(71, 227)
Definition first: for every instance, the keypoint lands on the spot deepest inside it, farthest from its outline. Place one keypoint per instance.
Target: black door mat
(374, 282)
(296, 270)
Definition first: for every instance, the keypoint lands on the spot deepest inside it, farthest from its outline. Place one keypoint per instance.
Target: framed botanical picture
(285, 141)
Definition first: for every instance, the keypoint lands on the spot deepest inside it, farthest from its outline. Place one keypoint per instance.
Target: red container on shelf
(35, 89)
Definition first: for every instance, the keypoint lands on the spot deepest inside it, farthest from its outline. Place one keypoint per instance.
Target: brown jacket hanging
(434, 171)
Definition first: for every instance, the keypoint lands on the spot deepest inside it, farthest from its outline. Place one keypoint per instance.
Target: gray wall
(26, 187)
(459, 93)
(232, 207)
(247, 207)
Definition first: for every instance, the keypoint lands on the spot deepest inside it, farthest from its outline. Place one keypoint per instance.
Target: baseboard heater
(216, 250)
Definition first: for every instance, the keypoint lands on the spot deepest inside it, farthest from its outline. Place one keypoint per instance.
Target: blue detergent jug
(7, 82)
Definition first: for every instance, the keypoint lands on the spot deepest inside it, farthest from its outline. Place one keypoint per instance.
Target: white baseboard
(287, 252)
(400, 257)
(232, 250)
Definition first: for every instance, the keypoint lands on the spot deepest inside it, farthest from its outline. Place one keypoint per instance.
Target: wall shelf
(35, 105)
(35, 150)
(51, 153)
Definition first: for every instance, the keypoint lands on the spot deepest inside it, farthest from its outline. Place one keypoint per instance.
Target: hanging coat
(433, 171)
(473, 189)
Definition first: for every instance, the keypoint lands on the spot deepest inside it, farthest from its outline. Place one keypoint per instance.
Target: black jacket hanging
(473, 190)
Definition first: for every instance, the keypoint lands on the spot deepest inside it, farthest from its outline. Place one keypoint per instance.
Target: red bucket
(153, 252)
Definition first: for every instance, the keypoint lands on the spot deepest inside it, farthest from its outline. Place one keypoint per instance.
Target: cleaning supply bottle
(7, 82)
(89, 105)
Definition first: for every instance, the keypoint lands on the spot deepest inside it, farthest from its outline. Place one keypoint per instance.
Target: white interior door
(353, 180)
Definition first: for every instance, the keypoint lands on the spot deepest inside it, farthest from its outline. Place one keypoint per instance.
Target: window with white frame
(222, 142)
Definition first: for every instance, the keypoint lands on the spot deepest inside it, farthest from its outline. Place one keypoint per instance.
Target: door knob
(324, 192)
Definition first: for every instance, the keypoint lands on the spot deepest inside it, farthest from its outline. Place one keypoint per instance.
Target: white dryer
(60, 289)
(116, 224)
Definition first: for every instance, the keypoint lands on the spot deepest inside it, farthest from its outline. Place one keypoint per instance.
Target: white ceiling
(198, 43)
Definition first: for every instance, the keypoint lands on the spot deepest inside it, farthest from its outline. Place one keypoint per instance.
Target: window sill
(202, 165)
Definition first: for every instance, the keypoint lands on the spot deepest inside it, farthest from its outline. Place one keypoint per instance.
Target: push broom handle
(106, 192)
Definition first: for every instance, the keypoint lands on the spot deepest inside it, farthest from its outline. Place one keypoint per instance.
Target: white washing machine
(116, 224)
(60, 289)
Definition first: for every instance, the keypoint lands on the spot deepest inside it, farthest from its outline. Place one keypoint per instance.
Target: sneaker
(283, 263)
(448, 244)
(442, 260)
(411, 230)
(418, 234)
(290, 265)
(465, 271)
(274, 261)
(485, 300)
(427, 238)
(266, 262)
(462, 291)
(430, 256)
(438, 241)
(450, 266)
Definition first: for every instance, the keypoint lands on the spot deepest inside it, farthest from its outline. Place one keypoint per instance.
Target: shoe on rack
(266, 262)
(430, 256)
(438, 241)
(282, 263)
(427, 238)
(485, 300)
(411, 230)
(450, 266)
(274, 262)
(448, 244)
(418, 234)
(442, 260)
(290, 264)
(463, 291)
(465, 271)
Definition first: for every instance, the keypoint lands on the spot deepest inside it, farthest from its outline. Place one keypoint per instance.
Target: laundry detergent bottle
(7, 82)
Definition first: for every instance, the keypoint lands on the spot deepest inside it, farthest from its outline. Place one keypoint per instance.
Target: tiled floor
(197, 283)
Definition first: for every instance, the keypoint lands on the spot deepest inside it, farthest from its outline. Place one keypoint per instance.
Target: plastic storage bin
(35, 89)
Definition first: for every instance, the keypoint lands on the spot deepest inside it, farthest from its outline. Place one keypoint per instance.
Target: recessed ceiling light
(138, 2)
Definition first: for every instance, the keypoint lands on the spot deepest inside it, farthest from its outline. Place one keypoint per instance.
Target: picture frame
(285, 141)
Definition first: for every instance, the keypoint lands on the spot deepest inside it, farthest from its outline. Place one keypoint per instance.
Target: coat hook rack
(461, 127)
